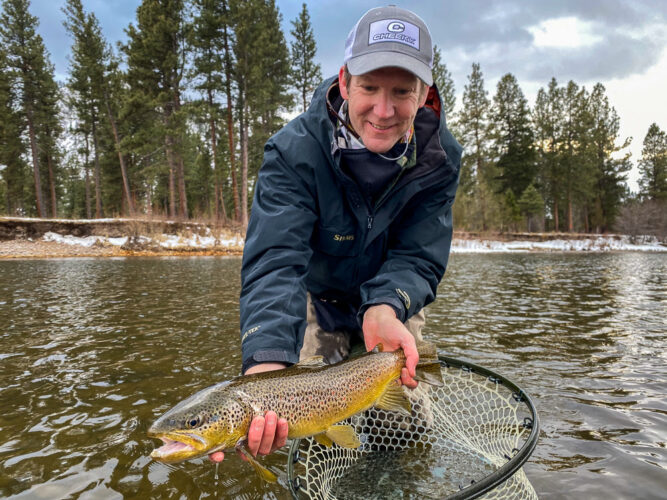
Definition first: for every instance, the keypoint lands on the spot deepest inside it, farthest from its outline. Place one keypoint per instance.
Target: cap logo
(396, 27)
(394, 30)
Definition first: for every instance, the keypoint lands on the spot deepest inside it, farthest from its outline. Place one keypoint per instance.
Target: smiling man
(351, 223)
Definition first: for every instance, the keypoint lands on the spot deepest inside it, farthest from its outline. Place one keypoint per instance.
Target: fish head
(212, 419)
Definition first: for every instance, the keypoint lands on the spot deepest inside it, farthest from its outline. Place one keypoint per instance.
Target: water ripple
(93, 351)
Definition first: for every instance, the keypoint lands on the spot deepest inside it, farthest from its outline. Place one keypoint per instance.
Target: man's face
(382, 105)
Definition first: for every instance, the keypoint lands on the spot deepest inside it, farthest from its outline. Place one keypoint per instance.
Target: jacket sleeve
(417, 255)
(275, 259)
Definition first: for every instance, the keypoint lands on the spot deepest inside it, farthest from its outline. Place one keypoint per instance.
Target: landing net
(466, 439)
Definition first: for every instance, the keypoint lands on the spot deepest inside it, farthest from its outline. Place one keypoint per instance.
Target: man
(351, 221)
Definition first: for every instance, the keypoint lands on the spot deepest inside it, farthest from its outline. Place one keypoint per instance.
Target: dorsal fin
(311, 362)
(378, 348)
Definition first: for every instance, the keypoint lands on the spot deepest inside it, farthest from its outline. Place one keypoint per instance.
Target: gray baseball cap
(390, 36)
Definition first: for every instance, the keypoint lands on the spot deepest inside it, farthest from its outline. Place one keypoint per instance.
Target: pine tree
(114, 91)
(531, 205)
(49, 129)
(443, 80)
(609, 172)
(29, 71)
(208, 43)
(653, 165)
(512, 137)
(476, 170)
(260, 49)
(86, 82)
(548, 126)
(15, 174)
(305, 74)
(155, 61)
(228, 43)
(577, 169)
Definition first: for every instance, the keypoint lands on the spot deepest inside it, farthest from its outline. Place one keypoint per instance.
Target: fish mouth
(178, 447)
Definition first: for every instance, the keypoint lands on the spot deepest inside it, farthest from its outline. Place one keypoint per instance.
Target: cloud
(598, 39)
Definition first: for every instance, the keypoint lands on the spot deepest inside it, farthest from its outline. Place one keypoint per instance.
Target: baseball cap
(390, 36)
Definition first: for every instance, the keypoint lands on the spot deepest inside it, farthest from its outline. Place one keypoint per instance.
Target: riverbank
(22, 238)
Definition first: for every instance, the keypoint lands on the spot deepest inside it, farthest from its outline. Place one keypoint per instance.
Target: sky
(619, 43)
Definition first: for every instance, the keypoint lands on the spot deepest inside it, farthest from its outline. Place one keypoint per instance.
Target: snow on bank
(593, 244)
(170, 241)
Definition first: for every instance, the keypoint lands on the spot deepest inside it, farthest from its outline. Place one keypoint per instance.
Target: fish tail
(428, 369)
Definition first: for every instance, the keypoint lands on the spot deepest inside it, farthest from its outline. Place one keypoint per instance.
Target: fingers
(255, 435)
(270, 422)
(411, 355)
(281, 434)
(216, 457)
(267, 434)
(407, 380)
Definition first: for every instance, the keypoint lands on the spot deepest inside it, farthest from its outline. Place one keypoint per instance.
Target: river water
(93, 350)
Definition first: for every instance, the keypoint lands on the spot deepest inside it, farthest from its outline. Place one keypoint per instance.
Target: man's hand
(381, 326)
(267, 433)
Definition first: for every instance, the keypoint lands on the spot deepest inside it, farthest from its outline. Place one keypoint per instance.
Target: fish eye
(193, 422)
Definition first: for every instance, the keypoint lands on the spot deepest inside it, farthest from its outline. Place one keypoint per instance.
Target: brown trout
(312, 396)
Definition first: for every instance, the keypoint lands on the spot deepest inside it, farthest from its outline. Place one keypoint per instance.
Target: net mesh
(456, 436)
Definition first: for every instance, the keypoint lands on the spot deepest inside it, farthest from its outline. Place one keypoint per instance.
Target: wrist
(265, 367)
(380, 310)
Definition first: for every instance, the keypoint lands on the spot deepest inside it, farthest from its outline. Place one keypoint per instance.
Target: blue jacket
(311, 229)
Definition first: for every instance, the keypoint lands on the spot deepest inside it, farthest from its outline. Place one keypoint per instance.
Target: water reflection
(92, 351)
(585, 334)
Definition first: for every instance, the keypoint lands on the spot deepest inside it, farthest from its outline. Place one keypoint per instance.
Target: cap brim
(366, 63)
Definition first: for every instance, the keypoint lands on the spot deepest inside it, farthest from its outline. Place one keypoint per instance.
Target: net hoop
(488, 482)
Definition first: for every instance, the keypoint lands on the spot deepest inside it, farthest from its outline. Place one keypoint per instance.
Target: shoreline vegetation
(31, 238)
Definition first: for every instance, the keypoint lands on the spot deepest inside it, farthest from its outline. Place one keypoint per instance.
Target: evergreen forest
(172, 123)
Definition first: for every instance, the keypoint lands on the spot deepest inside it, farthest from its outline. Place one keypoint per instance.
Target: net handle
(489, 482)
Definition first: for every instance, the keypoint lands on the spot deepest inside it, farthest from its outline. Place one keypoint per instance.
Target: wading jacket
(312, 229)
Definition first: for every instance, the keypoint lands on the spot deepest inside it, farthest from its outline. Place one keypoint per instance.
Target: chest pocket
(338, 242)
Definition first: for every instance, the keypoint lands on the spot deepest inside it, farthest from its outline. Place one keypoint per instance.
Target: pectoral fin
(343, 435)
(262, 471)
(393, 399)
(323, 440)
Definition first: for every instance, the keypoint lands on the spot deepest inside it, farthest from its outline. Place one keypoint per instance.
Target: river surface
(93, 350)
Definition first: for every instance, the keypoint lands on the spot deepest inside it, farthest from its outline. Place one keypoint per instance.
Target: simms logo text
(343, 237)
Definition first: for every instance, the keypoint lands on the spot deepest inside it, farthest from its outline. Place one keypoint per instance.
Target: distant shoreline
(26, 238)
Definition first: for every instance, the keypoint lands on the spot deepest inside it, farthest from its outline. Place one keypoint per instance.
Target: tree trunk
(230, 118)
(121, 160)
(149, 200)
(232, 158)
(220, 212)
(52, 186)
(98, 176)
(556, 222)
(244, 166)
(35, 163)
(177, 156)
(182, 194)
(89, 212)
(172, 176)
(570, 221)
